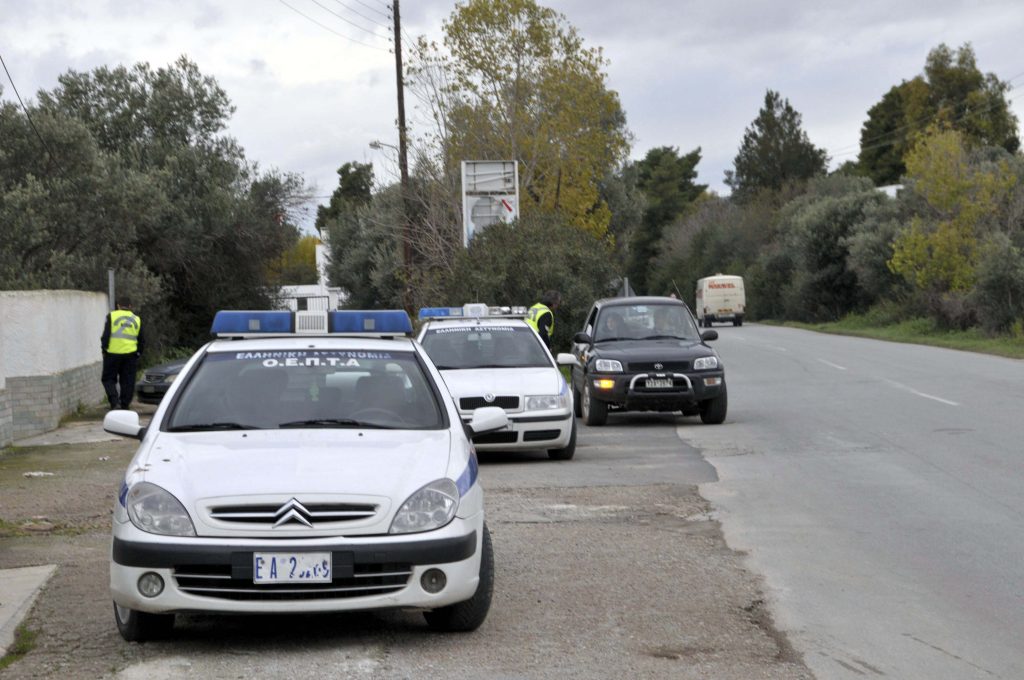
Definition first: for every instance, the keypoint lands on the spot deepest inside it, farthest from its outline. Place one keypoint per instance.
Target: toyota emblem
(489, 398)
(658, 367)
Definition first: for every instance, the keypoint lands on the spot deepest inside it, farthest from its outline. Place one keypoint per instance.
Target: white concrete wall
(50, 357)
(46, 332)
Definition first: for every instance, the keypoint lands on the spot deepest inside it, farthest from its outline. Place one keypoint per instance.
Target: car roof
(639, 300)
(302, 342)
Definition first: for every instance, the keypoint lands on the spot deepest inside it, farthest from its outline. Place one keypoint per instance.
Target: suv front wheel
(594, 412)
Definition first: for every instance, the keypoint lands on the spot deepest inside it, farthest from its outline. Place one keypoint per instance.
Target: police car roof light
(239, 322)
(377, 321)
(476, 309)
(235, 323)
(440, 312)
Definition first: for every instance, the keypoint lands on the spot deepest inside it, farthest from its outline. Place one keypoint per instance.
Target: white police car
(489, 356)
(303, 462)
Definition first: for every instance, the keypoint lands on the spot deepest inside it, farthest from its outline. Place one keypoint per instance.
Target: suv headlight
(705, 363)
(155, 511)
(546, 402)
(608, 366)
(430, 508)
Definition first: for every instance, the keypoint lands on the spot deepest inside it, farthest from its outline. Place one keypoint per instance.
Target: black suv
(646, 354)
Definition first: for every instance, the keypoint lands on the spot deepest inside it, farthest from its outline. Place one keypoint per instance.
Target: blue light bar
(439, 312)
(379, 321)
(231, 322)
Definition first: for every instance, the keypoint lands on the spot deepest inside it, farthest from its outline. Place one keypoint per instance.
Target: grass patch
(920, 331)
(24, 642)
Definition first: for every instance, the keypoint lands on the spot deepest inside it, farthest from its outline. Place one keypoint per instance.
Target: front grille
(317, 513)
(468, 403)
(496, 438)
(540, 435)
(219, 582)
(666, 366)
(154, 377)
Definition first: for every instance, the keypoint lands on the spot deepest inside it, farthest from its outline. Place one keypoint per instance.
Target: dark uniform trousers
(119, 370)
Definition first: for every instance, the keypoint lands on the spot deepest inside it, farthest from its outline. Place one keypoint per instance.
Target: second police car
(303, 462)
(490, 356)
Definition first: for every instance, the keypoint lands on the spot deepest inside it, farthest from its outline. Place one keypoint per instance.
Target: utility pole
(403, 161)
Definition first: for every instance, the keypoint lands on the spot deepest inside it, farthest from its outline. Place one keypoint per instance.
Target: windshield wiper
(613, 339)
(664, 337)
(213, 426)
(334, 422)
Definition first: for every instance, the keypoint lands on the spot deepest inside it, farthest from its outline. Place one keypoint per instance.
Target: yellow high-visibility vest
(124, 332)
(534, 314)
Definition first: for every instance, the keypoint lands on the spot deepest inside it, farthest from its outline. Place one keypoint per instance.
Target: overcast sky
(312, 90)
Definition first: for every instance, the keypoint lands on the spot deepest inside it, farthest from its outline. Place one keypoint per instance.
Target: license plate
(653, 383)
(283, 567)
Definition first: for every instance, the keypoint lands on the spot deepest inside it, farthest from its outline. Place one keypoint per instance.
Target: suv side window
(591, 320)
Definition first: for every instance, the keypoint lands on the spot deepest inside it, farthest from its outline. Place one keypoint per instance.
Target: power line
(386, 15)
(845, 150)
(347, 21)
(360, 14)
(28, 117)
(900, 137)
(328, 28)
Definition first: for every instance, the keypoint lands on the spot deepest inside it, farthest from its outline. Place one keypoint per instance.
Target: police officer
(121, 343)
(542, 315)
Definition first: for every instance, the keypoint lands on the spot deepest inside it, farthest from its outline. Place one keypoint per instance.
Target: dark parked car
(156, 380)
(646, 354)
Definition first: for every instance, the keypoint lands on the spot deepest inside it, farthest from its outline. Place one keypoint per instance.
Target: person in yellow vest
(541, 316)
(122, 343)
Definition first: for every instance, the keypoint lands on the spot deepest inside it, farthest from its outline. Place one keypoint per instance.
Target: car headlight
(170, 378)
(546, 402)
(430, 508)
(156, 511)
(705, 363)
(608, 366)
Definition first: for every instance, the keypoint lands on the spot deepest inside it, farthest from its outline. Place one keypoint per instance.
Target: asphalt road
(879, 488)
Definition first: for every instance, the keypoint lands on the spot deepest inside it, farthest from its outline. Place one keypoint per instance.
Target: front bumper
(629, 391)
(528, 431)
(216, 574)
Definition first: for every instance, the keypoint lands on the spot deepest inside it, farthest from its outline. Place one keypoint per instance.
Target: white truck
(720, 298)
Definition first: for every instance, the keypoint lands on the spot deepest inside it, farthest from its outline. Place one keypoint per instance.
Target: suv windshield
(511, 346)
(645, 322)
(306, 388)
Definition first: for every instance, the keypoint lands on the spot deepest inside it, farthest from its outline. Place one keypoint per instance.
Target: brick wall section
(37, 403)
(6, 423)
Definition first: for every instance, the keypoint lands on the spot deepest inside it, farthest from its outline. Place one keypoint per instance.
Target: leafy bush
(998, 296)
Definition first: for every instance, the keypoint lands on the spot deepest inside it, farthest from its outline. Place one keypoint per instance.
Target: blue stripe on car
(467, 479)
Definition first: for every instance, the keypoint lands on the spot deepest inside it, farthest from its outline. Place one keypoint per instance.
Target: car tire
(712, 411)
(577, 403)
(463, 617)
(595, 413)
(136, 626)
(570, 449)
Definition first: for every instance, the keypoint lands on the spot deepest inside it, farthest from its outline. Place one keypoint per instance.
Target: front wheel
(463, 617)
(136, 626)
(570, 449)
(595, 412)
(712, 411)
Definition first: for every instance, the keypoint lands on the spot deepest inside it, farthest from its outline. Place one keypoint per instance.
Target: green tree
(667, 182)
(355, 188)
(297, 265)
(517, 82)
(775, 151)
(952, 92)
(133, 171)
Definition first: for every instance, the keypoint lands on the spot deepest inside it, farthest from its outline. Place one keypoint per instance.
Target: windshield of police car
(645, 322)
(280, 389)
(461, 347)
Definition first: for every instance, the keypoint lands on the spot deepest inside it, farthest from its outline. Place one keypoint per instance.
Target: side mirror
(488, 419)
(124, 423)
(582, 338)
(566, 359)
(708, 335)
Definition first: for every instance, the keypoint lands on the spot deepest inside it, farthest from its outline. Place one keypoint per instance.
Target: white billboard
(490, 192)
